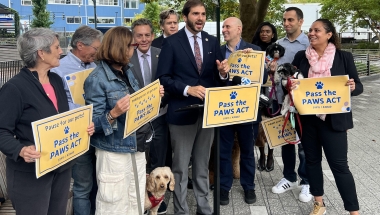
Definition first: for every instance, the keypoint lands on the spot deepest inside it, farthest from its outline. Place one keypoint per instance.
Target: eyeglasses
(96, 49)
(135, 45)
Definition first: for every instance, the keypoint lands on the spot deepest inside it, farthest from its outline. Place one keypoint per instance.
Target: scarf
(320, 67)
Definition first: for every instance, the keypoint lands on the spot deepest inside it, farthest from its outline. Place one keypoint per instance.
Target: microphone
(264, 101)
(237, 80)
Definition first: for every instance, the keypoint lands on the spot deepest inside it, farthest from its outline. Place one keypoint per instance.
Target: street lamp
(94, 1)
(116, 18)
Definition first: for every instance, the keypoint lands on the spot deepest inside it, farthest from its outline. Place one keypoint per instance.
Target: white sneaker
(284, 185)
(305, 195)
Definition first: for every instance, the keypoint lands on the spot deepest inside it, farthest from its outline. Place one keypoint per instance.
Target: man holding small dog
(247, 132)
(293, 42)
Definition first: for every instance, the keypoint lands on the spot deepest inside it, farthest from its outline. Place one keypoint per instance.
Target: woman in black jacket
(265, 35)
(323, 58)
(33, 94)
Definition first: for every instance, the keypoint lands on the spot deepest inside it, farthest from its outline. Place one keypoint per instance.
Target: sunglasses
(135, 45)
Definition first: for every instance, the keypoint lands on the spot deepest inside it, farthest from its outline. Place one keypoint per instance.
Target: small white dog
(156, 186)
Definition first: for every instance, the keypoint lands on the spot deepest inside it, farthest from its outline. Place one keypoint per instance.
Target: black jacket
(23, 101)
(158, 42)
(343, 65)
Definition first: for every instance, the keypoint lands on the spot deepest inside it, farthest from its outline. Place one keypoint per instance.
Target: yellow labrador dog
(156, 185)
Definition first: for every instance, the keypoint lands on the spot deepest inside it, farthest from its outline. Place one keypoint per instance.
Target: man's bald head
(235, 21)
(232, 29)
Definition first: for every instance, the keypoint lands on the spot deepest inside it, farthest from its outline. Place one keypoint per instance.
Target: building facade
(68, 15)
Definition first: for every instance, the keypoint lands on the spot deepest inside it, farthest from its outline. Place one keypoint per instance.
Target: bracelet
(109, 116)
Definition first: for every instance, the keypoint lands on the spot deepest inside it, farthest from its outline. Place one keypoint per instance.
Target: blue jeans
(85, 186)
(247, 133)
(288, 153)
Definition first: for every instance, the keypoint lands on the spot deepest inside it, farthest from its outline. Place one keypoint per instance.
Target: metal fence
(367, 61)
(8, 70)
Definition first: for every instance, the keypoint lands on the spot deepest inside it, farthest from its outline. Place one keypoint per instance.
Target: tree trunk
(252, 13)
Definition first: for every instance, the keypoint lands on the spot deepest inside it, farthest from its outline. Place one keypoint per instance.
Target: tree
(151, 12)
(252, 12)
(41, 15)
(353, 13)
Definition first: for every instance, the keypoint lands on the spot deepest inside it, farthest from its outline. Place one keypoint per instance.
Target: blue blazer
(245, 45)
(177, 69)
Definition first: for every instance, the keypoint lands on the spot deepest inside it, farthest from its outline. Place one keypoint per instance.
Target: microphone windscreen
(236, 80)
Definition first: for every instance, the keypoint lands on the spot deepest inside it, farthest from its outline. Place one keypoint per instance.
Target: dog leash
(292, 111)
(273, 90)
(134, 165)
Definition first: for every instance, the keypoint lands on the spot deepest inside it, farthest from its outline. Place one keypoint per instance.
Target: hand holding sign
(29, 154)
(351, 83)
(122, 106)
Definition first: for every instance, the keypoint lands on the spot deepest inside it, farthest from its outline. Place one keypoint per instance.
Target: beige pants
(116, 183)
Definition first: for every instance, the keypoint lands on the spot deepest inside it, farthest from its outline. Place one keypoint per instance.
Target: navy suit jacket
(177, 69)
(245, 45)
(158, 42)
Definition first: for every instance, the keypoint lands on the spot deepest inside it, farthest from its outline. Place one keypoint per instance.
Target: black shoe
(212, 187)
(270, 164)
(261, 163)
(162, 208)
(189, 184)
(249, 196)
(224, 199)
(146, 212)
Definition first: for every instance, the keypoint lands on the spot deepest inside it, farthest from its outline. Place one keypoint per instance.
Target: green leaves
(41, 15)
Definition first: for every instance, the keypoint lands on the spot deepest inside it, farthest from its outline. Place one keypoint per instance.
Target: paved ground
(363, 153)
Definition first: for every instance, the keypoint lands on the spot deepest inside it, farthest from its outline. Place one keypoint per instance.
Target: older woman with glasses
(108, 88)
(33, 94)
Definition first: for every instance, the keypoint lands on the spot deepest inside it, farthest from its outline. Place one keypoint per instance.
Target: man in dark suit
(247, 132)
(168, 24)
(145, 60)
(190, 61)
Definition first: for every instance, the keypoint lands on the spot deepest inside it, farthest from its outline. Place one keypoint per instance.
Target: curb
(370, 77)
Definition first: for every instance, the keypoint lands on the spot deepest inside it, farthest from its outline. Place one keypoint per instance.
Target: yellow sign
(75, 82)
(144, 106)
(273, 131)
(61, 138)
(323, 95)
(231, 105)
(250, 65)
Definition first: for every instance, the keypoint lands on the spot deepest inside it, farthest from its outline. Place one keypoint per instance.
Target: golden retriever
(156, 184)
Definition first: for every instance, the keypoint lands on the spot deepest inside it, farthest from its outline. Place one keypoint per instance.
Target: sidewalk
(363, 158)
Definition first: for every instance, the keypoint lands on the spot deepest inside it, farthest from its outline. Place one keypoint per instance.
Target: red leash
(292, 110)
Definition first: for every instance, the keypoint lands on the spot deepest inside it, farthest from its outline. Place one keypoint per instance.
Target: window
(131, 4)
(75, 2)
(104, 2)
(73, 20)
(26, 2)
(102, 20)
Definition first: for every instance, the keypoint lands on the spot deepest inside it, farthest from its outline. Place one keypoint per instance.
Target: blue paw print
(239, 60)
(233, 95)
(66, 129)
(319, 85)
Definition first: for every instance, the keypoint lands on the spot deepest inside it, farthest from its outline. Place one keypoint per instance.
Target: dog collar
(153, 200)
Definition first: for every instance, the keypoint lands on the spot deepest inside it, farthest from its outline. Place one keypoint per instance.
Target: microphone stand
(217, 133)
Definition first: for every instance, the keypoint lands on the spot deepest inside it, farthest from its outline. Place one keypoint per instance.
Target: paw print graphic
(239, 60)
(66, 129)
(319, 85)
(233, 95)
